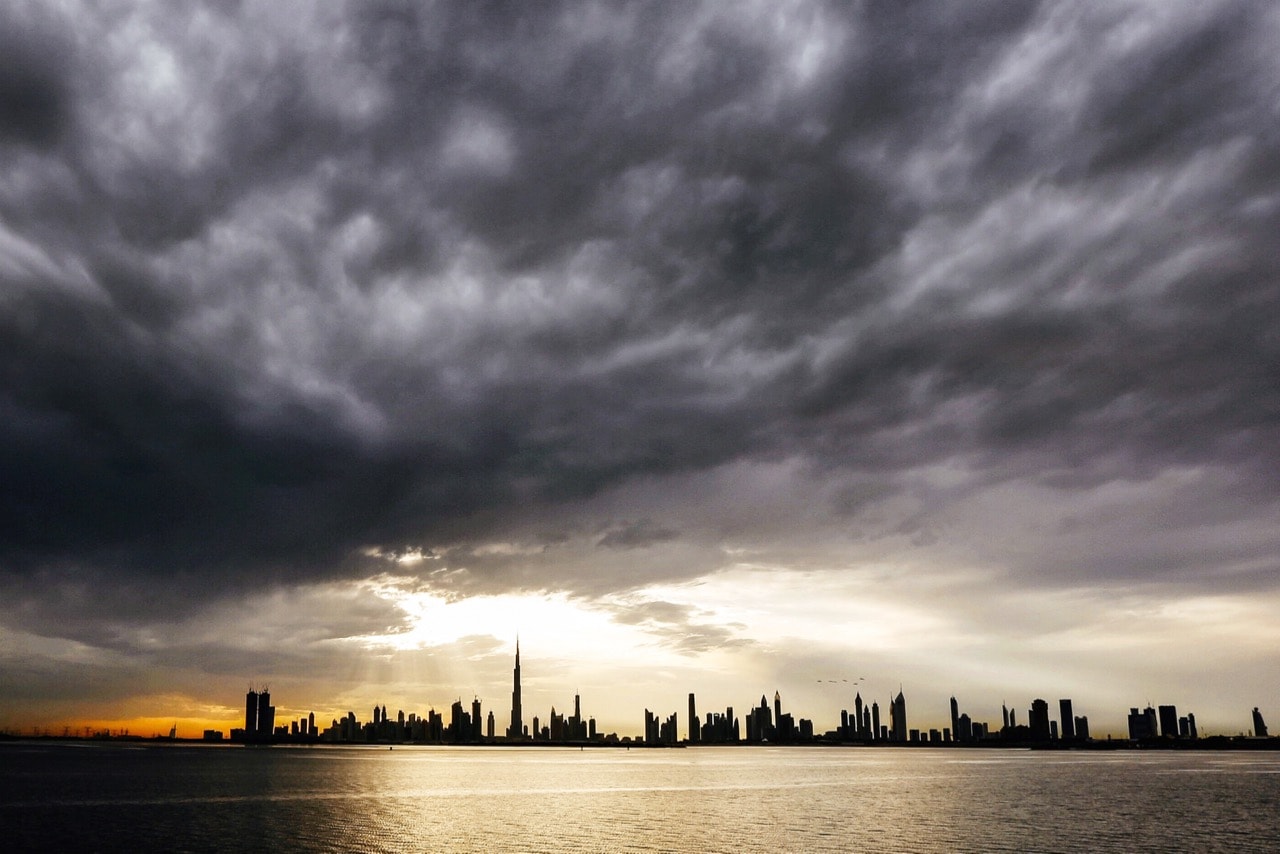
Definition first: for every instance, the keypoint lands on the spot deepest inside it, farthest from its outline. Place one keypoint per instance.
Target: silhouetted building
(251, 715)
(1142, 724)
(1082, 727)
(1169, 721)
(554, 727)
(266, 716)
(1038, 720)
(668, 733)
(955, 719)
(898, 718)
(459, 723)
(1068, 720)
(875, 720)
(693, 721)
(516, 730)
(1259, 725)
(575, 727)
(651, 733)
(760, 722)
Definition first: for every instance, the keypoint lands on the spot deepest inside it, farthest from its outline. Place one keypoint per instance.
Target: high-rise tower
(266, 715)
(516, 731)
(1068, 728)
(250, 714)
(899, 717)
(1038, 719)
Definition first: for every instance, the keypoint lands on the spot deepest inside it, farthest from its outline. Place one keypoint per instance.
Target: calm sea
(114, 797)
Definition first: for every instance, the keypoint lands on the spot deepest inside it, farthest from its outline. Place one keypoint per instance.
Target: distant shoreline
(1211, 743)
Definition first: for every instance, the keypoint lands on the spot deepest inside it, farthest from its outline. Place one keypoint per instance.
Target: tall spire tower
(516, 730)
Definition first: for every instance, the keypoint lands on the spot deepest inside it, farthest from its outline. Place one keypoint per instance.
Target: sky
(728, 348)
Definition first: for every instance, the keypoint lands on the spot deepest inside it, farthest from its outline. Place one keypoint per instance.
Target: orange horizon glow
(144, 727)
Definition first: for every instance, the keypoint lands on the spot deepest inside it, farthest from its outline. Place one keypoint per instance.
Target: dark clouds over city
(581, 298)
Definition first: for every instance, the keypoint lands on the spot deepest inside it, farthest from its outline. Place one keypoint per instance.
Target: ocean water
(153, 797)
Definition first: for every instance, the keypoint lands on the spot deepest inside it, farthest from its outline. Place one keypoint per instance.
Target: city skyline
(762, 724)
(702, 345)
(859, 722)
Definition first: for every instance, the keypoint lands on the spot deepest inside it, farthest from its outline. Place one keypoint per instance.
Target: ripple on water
(704, 799)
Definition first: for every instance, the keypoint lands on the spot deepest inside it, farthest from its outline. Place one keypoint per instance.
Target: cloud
(678, 626)
(633, 535)
(283, 286)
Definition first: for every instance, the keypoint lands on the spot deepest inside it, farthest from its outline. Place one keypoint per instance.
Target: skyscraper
(693, 721)
(1169, 721)
(1068, 720)
(1038, 720)
(1142, 724)
(250, 714)
(577, 727)
(1259, 725)
(516, 730)
(955, 719)
(898, 717)
(266, 716)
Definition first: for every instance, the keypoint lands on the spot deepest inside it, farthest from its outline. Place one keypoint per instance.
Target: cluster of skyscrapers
(765, 723)
(259, 718)
(463, 725)
(1143, 724)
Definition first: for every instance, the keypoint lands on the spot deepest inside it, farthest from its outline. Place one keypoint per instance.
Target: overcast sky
(725, 348)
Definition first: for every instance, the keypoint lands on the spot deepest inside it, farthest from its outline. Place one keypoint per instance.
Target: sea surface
(165, 797)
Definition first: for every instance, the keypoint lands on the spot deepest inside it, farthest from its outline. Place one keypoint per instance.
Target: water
(113, 797)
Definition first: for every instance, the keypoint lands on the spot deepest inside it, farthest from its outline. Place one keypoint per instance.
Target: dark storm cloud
(33, 96)
(280, 285)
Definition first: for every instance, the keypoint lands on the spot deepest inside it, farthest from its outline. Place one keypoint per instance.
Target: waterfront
(153, 797)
